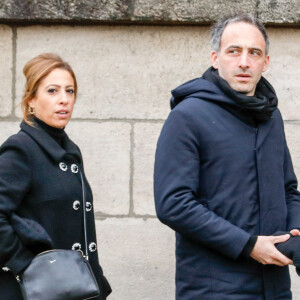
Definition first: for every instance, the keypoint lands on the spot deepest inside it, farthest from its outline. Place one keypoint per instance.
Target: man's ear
(267, 62)
(214, 59)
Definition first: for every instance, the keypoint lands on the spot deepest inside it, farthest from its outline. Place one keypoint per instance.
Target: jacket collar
(49, 145)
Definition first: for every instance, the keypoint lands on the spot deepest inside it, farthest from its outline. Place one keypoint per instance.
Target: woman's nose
(64, 97)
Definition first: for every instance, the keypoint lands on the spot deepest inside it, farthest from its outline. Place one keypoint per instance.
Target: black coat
(39, 180)
(218, 181)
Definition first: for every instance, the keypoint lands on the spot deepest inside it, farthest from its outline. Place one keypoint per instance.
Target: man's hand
(266, 253)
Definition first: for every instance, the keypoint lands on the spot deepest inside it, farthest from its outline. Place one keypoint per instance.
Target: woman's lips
(63, 114)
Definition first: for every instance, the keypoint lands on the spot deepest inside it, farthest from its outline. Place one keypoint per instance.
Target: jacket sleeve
(176, 187)
(15, 178)
(292, 195)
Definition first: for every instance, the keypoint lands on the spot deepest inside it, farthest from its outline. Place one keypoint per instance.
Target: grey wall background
(128, 55)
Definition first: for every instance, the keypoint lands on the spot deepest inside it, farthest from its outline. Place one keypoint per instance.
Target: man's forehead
(241, 28)
(242, 34)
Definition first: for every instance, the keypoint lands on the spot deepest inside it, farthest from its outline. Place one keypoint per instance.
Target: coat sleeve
(176, 186)
(15, 178)
(292, 195)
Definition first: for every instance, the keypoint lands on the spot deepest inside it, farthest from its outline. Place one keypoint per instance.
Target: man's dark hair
(218, 29)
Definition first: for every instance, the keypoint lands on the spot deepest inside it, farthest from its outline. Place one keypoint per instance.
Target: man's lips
(243, 77)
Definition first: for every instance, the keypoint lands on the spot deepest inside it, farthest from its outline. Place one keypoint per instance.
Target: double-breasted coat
(218, 181)
(40, 181)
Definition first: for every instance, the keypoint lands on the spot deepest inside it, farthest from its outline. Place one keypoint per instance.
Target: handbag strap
(84, 216)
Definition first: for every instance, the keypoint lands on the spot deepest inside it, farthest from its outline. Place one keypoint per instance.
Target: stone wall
(280, 12)
(125, 74)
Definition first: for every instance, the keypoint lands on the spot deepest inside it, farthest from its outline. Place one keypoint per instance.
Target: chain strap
(84, 216)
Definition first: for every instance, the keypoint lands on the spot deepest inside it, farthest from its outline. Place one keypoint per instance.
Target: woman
(40, 187)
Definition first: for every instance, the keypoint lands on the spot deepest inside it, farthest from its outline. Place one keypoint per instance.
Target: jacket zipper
(257, 174)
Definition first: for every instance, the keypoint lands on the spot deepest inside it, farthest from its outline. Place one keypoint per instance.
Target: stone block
(8, 128)
(279, 11)
(200, 11)
(284, 71)
(6, 71)
(292, 132)
(145, 139)
(295, 283)
(137, 257)
(123, 72)
(65, 10)
(106, 154)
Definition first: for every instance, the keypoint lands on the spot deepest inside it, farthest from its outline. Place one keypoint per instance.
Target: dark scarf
(258, 107)
(56, 133)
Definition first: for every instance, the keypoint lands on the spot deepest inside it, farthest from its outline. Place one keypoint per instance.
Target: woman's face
(55, 98)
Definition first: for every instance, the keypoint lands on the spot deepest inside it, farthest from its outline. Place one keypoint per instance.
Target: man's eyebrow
(255, 48)
(240, 47)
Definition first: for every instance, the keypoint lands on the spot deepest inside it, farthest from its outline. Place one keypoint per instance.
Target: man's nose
(244, 60)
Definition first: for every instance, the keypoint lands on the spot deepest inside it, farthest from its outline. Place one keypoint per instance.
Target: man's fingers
(295, 232)
(280, 259)
(284, 260)
(280, 238)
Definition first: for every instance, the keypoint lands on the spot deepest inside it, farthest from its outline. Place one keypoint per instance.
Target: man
(224, 179)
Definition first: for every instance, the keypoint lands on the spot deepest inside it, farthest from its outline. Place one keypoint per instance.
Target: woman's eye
(70, 91)
(51, 91)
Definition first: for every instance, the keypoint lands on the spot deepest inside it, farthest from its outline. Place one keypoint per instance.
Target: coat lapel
(49, 145)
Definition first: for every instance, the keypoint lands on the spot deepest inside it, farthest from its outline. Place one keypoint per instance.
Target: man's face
(242, 57)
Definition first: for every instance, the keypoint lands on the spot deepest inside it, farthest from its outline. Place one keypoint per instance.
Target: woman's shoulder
(19, 140)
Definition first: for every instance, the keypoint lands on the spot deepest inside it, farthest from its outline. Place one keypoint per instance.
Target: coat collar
(49, 145)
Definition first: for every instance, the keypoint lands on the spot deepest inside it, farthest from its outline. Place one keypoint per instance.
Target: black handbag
(60, 274)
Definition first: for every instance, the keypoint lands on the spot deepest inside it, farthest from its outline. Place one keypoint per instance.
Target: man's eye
(70, 91)
(233, 51)
(256, 52)
(52, 91)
